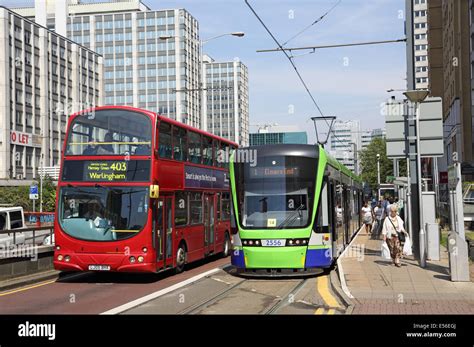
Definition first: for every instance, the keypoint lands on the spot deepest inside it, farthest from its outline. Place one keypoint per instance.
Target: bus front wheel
(180, 258)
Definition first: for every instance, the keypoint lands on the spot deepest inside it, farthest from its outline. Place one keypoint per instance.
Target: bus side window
(219, 204)
(226, 148)
(179, 143)
(195, 208)
(225, 213)
(194, 148)
(165, 140)
(219, 154)
(215, 156)
(181, 209)
(207, 150)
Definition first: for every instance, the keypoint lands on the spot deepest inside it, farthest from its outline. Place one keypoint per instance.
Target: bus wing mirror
(154, 191)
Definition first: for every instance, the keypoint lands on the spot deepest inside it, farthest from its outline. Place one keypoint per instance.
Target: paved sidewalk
(379, 287)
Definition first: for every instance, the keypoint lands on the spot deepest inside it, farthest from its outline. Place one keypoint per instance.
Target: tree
(368, 163)
(19, 196)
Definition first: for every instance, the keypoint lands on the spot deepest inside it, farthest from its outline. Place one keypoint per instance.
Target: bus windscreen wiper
(292, 217)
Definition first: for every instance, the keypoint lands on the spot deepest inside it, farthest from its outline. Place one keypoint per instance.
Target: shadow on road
(129, 278)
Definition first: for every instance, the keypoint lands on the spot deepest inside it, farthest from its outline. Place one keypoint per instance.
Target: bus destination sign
(109, 171)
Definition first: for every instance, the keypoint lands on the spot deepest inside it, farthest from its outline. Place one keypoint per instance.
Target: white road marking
(342, 277)
(219, 280)
(144, 299)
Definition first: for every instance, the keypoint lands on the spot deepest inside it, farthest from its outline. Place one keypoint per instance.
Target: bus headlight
(60, 257)
(67, 258)
(132, 259)
(141, 259)
(144, 249)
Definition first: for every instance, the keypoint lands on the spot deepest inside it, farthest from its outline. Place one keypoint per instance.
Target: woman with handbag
(394, 234)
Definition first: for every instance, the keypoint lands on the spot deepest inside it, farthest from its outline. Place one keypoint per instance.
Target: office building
(152, 59)
(226, 100)
(344, 140)
(272, 134)
(452, 74)
(44, 77)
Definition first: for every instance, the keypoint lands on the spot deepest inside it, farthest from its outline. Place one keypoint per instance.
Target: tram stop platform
(373, 285)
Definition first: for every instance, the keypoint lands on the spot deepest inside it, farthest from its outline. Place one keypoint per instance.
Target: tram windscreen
(277, 193)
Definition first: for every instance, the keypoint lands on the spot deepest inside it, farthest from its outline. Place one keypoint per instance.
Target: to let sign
(23, 139)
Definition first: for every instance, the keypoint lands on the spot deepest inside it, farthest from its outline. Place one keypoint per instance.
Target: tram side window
(181, 209)
(225, 206)
(165, 140)
(194, 150)
(195, 207)
(179, 143)
(207, 150)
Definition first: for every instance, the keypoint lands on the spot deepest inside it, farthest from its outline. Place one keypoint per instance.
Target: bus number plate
(99, 267)
(273, 243)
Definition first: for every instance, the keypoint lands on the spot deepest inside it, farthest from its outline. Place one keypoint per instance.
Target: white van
(12, 218)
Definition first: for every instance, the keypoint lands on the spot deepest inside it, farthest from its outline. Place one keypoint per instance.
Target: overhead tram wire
(312, 24)
(291, 62)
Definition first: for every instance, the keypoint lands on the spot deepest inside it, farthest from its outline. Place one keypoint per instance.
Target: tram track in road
(244, 286)
(289, 298)
(195, 308)
(220, 292)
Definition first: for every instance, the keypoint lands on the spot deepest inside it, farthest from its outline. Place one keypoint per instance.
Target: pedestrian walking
(379, 215)
(367, 218)
(393, 233)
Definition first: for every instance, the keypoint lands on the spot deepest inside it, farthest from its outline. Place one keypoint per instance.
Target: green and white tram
(295, 209)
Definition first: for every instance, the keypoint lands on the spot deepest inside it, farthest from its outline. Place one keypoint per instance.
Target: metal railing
(32, 231)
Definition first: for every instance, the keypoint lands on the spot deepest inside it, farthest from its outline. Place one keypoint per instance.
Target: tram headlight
(297, 242)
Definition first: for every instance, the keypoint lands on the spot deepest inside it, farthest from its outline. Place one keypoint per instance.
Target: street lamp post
(378, 176)
(416, 97)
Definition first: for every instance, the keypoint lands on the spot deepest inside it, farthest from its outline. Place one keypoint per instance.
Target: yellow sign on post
(154, 191)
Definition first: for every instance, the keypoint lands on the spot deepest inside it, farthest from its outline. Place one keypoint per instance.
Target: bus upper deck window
(165, 140)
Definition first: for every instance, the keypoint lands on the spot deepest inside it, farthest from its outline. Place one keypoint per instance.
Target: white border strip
(159, 293)
(342, 278)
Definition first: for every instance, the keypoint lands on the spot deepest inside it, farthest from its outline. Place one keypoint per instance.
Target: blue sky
(349, 83)
(354, 91)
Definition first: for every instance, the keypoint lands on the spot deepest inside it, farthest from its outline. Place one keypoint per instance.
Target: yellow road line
(27, 288)
(323, 289)
(331, 311)
(319, 311)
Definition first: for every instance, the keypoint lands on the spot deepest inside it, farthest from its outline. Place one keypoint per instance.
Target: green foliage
(19, 196)
(368, 163)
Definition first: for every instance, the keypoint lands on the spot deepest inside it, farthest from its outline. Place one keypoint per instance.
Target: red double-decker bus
(139, 192)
